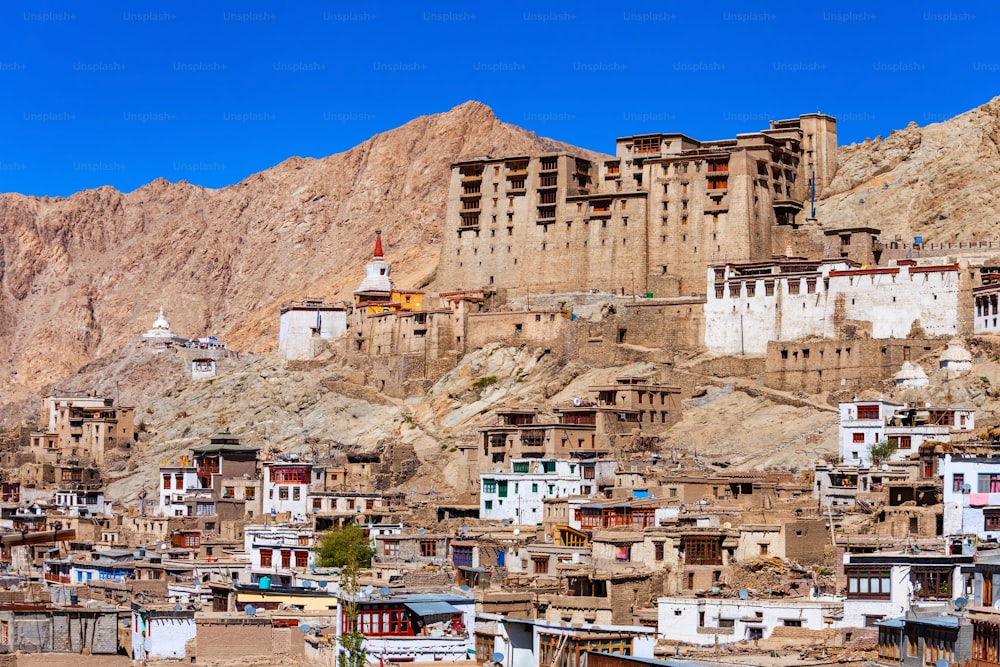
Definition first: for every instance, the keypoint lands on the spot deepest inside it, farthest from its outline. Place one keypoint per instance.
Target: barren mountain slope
(938, 181)
(78, 275)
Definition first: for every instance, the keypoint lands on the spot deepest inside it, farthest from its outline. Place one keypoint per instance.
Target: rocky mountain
(78, 275)
(938, 181)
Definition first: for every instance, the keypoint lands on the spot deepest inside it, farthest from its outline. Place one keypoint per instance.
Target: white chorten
(161, 328)
(911, 375)
(956, 357)
(377, 282)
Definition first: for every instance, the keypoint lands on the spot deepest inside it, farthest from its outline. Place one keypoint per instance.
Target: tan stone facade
(648, 220)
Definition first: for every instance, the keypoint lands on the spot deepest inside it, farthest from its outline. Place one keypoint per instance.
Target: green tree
(344, 546)
(352, 642)
(883, 450)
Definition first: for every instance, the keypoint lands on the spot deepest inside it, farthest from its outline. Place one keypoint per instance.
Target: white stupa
(377, 285)
(911, 375)
(161, 329)
(956, 357)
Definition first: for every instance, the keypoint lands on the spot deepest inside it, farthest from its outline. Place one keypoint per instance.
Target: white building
(726, 620)
(175, 484)
(866, 423)
(286, 488)
(885, 585)
(987, 317)
(305, 323)
(277, 552)
(749, 305)
(971, 495)
(518, 495)
(78, 502)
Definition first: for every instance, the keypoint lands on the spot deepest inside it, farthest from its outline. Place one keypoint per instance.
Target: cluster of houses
(584, 542)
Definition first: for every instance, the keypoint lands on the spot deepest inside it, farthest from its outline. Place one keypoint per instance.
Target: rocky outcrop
(937, 181)
(78, 275)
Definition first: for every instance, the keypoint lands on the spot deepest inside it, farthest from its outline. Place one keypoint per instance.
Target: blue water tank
(264, 583)
(918, 240)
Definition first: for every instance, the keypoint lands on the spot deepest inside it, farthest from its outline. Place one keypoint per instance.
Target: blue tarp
(440, 610)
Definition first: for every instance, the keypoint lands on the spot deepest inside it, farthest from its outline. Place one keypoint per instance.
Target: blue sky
(98, 93)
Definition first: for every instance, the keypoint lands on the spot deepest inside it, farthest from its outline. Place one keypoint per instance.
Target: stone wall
(818, 366)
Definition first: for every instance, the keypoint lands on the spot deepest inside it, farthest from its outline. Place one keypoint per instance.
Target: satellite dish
(313, 567)
(497, 657)
(727, 525)
(744, 594)
(163, 546)
(577, 402)
(996, 606)
(385, 591)
(966, 488)
(464, 529)
(178, 607)
(961, 603)
(463, 588)
(322, 584)
(506, 522)
(369, 590)
(421, 531)
(250, 610)
(517, 531)
(942, 663)
(305, 627)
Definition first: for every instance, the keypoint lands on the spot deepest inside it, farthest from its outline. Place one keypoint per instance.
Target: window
(540, 564)
(265, 558)
(901, 441)
(931, 582)
(858, 438)
(868, 412)
(290, 475)
(166, 481)
(763, 548)
(702, 550)
(317, 504)
(286, 558)
(428, 548)
(957, 482)
(534, 488)
(791, 622)
(390, 549)
(520, 466)
(303, 540)
(868, 584)
(623, 553)
(489, 504)
(485, 646)
(249, 493)
(989, 482)
(658, 550)
(205, 509)
(282, 493)
(727, 622)
(296, 491)
(301, 558)
(549, 466)
(991, 519)
(462, 555)
(489, 486)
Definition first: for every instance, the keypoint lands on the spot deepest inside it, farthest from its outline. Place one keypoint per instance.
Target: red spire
(378, 244)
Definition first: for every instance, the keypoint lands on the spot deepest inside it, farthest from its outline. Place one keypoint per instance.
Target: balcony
(57, 578)
(473, 176)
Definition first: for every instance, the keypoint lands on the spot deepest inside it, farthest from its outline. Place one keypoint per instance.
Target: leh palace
(649, 409)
